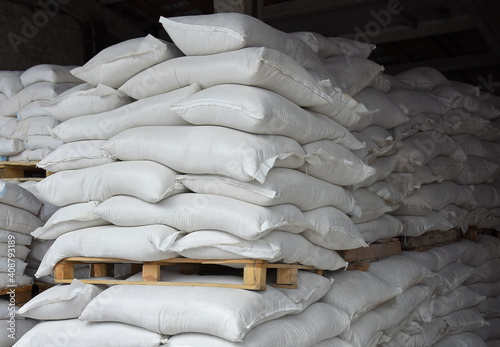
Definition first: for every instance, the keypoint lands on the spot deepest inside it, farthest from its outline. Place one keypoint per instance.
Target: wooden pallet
(473, 233)
(22, 294)
(254, 272)
(360, 258)
(430, 239)
(21, 171)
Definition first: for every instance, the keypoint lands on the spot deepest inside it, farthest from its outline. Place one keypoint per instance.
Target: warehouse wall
(37, 33)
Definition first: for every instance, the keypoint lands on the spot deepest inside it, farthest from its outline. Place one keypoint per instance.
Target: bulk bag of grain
(10, 82)
(297, 249)
(154, 110)
(84, 100)
(349, 284)
(461, 297)
(69, 218)
(423, 78)
(10, 147)
(60, 302)
(452, 276)
(48, 73)
(73, 332)
(415, 226)
(261, 67)
(114, 65)
(417, 101)
(214, 244)
(352, 74)
(387, 113)
(389, 193)
(446, 167)
(381, 228)
(224, 312)
(282, 186)
(260, 111)
(223, 32)
(477, 170)
(317, 323)
(190, 212)
(230, 152)
(332, 229)
(17, 219)
(144, 243)
(334, 163)
(383, 166)
(34, 92)
(76, 155)
(326, 47)
(14, 195)
(146, 180)
(370, 204)
(464, 320)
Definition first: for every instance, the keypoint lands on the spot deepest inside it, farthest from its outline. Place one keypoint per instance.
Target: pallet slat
(21, 171)
(254, 271)
(360, 258)
(430, 239)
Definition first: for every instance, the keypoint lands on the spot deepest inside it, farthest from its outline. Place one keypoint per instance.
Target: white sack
(381, 228)
(190, 212)
(318, 322)
(12, 265)
(154, 110)
(417, 101)
(69, 218)
(73, 332)
(60, 302)
(19, 220)
(146, 180)
(224, 312)
(230, 152)
(423, 78)
(21, 239)
(371, 206)
(48, 73)
(414, 226)
(477, 170)
(76, 155)
(452, 276)
(282, 186)
(332, 229)
(260, 111)
(42, 141)
(334, 163)
(114, 65)
(143, 243)
(10, 147)
(461, 297)
(14, 195)
(10, 82)
(464, 320)
(261, 67)
(79, 102)
(31, 155)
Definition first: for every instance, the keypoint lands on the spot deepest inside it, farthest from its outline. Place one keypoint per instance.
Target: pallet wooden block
(430, 239)
(360, 258)
(23, 294)
(254, 272)
(21, 171)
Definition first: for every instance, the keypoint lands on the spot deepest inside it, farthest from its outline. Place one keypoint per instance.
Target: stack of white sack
(18, 218)
(464, 304)
(444, 157)
(255, 191)
(24, 124)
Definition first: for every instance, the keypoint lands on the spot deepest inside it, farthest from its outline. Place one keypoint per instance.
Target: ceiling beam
(92, 11)
(485, 15)
(296, 8)
(464, 62)
(428, 28)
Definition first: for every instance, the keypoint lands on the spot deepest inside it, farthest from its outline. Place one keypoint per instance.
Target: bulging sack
(144, 243)
(14, 195)
(257, 66)
(260, 111)
(190, 212)
(146, 180)
(223, 32)
(83, 100)
(282, 186)
(210, 150)
(48, 73)
(114, 65)
(334, 163)
(155, 110)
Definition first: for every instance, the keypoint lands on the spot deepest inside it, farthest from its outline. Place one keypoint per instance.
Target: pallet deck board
(360, 258)
(21, 171)
(430, 239)
(254, 271)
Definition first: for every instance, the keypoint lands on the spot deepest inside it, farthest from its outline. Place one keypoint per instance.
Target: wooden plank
(255, 275)
(22, 294)
(150, 272)
(359, 266)
(374, 251)
(101, 270)
(429, 239)
(63, 271)
(286, 276)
